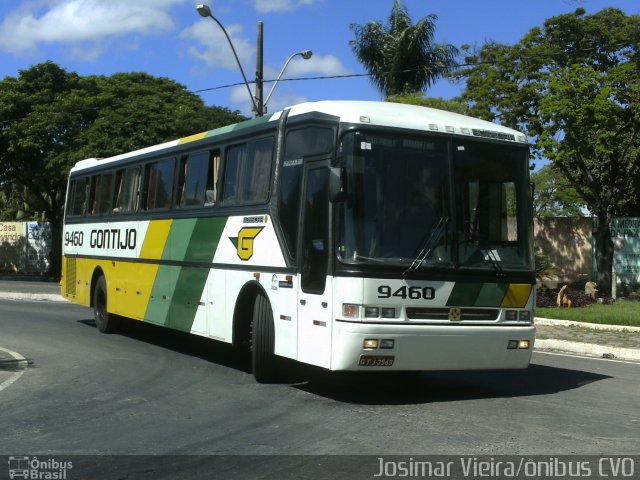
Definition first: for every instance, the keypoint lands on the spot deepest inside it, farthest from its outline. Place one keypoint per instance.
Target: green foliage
(51, 118)
(543, 265)
(454, 105)
(621, 312)
(16, 204)
(573, 86)
(554, 196)
(401, 57)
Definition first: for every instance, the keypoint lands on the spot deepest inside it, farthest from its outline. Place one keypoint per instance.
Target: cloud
(286, 99)
(213, 48)
(266, 6)
(318, 64)
(81, 21)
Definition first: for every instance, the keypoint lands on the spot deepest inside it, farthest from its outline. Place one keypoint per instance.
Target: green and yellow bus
(343, 234)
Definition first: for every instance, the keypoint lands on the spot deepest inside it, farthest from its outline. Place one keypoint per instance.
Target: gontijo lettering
(113, 238)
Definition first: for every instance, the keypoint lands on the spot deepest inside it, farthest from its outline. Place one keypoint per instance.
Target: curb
(593, 326)
(17, 360)
(590, 349)
(39, 297)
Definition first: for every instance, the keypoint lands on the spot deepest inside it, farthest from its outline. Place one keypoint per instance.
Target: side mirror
(337, 184)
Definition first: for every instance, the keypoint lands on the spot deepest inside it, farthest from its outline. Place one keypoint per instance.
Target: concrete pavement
(605, 341)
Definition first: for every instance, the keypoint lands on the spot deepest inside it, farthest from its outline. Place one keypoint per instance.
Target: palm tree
(400, 57)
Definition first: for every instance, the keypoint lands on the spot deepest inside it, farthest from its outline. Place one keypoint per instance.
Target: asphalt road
(151, 391)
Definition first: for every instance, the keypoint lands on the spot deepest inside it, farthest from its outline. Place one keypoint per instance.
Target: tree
(573, 87)
(554, 196)
(400, 57)
(454, 105)
(51, 118)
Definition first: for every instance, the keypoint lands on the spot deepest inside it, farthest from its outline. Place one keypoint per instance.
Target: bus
(348, 235)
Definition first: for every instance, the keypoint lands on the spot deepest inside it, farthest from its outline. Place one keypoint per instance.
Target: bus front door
(314, 295)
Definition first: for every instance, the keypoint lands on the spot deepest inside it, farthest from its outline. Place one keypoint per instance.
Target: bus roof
(401, 115)
(372, 113)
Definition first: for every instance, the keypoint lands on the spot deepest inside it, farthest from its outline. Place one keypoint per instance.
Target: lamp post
(205, 11)
(259, 105)
(305, 54)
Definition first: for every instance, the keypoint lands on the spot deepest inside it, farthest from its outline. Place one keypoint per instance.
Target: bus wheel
(262, 341)
(105, 321)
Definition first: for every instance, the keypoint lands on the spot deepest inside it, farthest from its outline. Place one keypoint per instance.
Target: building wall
(567, 243)
(24, 247)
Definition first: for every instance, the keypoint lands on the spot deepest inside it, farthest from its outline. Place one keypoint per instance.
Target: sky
(168, 38)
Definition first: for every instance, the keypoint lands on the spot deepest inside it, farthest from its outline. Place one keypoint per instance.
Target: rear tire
(105, 322)
(262, 341)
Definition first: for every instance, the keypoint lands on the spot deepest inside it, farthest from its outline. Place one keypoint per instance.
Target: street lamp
(305, 54)
(205, 11)
(259, 106)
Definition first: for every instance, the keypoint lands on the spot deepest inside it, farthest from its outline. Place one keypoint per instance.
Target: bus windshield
(419, 201)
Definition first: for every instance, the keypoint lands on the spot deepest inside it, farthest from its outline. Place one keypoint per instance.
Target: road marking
(10, 380)
(576, 355)
(21, 362)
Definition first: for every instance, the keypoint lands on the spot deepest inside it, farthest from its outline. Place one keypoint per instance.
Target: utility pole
(260, 73)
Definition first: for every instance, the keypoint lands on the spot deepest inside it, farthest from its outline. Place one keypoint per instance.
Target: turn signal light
(350, 310)
(518, 344)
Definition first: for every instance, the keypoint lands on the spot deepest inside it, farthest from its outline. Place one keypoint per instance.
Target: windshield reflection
(398, 209)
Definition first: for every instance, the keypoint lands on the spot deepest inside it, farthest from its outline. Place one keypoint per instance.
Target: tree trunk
(603, 253)
(55, 257)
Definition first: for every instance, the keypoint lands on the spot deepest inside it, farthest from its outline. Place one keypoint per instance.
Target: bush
(548, 298)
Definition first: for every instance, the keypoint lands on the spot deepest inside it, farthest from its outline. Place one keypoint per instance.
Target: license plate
(376, 361)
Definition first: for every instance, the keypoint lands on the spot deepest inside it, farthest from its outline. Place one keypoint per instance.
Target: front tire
(105, 322)
(262, 341)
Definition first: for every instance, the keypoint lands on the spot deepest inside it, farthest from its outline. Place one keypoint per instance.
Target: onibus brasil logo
(33, 468)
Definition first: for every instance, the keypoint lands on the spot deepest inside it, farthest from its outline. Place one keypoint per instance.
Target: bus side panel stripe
(517, 295)
(162, 294)
(477, 294)
(205, 239)
(177, 290)
(464, 294)
(491, 294)
(188, 291)
(155, 239)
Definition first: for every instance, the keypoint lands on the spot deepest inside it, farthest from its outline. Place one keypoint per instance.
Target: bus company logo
(33, 468)
(244, 241)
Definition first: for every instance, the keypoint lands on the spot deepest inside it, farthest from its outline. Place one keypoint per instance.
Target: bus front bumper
(431, 347)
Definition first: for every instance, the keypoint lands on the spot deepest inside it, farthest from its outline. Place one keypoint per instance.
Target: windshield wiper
(428, 245)
(494, 260)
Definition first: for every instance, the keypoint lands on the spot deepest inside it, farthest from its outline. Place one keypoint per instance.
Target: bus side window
(212, 178)
(257, 171)
(159, 184)
(247, 172)
(233, 163)
(78, 197)
(195, 179)
(100, 194)
(126, 192)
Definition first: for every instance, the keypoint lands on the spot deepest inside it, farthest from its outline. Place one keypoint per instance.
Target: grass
(621, 312)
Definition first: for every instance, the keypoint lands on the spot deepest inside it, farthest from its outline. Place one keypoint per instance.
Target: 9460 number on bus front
(414, 292)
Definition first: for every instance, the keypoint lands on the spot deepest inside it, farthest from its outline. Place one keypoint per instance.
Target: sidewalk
(604, 341)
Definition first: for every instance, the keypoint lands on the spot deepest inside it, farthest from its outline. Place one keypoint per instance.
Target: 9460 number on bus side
(414, 292)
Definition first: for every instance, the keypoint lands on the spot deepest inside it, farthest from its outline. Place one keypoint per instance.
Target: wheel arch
(97, 273)
(243, 312)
